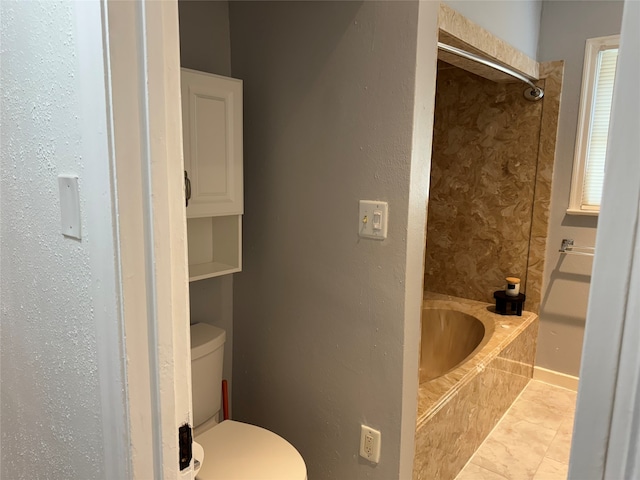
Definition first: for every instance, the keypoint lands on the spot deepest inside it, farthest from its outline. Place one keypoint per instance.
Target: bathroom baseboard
(555, 378)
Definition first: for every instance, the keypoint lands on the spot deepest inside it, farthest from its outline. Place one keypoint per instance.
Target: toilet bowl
(239, 451)
(231, 450)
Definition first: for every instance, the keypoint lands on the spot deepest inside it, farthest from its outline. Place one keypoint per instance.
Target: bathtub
(473, 365)
(449, 338)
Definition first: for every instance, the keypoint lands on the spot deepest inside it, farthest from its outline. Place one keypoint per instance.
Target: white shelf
(214, 246)
(201, 271)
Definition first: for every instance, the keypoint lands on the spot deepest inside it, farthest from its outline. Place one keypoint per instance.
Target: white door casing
(143, 99)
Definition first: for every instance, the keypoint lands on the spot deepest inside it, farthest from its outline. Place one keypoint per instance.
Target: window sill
(588, 213)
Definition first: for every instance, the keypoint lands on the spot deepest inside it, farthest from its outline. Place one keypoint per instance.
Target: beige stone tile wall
(552, 73)
(492, 165)
(483, 172)
(493, 156)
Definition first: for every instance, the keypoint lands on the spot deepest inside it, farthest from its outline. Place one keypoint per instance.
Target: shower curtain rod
(534, 93)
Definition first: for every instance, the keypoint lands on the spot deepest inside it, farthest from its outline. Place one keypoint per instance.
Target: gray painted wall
(205, 46)
(564, 29)
(204, 36)
(319, 314)
(516, 22)
(59, 302)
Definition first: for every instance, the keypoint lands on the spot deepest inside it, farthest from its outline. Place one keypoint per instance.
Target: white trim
(587, 213)
(558, 379)
(606, 428)
(592, 48)
(167, 224)
(124, 139)
(143, 99)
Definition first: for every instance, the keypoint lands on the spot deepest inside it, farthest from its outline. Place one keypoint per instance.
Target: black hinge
(185, 440)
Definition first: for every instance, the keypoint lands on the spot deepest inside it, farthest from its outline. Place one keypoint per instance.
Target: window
(600, 58)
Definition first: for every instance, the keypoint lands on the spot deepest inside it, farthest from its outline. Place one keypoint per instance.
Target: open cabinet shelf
(214, 246)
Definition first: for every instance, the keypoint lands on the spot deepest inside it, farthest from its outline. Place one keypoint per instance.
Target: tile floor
(531, 442)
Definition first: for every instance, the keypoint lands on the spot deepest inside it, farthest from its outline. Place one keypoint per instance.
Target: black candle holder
(508, 305)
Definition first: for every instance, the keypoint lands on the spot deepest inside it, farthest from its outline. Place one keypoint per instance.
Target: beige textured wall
(485, 153)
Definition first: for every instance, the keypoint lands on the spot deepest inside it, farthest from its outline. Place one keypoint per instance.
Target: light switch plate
(373, 219)
(69, 206)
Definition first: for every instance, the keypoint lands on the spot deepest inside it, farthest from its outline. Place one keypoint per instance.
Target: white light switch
(377, 220)
(69, 205)
(373, 219)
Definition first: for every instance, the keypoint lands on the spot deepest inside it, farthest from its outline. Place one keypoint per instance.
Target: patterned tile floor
(531, 442)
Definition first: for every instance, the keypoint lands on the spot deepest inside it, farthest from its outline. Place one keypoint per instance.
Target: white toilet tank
(207, 351)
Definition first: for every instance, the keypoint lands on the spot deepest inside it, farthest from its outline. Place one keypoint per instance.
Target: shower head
(533, 93)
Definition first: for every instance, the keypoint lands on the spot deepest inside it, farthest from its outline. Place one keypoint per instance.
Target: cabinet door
(212, 140)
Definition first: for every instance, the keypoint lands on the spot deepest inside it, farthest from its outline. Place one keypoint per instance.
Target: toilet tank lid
(205, 339)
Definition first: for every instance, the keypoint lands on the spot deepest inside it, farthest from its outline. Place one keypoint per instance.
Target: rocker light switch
(69, 206)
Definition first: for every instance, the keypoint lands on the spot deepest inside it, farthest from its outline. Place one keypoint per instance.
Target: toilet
(231, 450)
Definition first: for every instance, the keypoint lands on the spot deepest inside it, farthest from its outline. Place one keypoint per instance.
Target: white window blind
(601, 111)
(598, 76)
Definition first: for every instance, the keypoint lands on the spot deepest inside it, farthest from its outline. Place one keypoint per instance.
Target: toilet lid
(239, 451)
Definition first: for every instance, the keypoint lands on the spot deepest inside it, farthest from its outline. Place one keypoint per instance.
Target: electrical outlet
(370, 440)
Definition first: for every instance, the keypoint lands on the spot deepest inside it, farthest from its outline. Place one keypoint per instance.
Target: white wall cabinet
(212, 142)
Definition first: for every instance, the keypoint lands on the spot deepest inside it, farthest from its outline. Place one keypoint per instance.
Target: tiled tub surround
(457, 410)
(483, 172)
(491, 171)
(552, 73)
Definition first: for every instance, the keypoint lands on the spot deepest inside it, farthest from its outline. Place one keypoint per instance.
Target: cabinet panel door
(212, 139)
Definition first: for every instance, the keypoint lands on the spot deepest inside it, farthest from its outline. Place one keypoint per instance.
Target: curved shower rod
(533, 94)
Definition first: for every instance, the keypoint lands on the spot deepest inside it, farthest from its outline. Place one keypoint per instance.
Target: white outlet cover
(370, 442)
(373, 218)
